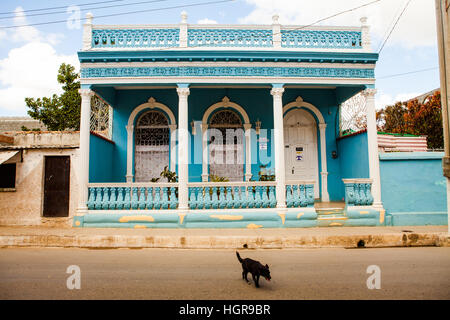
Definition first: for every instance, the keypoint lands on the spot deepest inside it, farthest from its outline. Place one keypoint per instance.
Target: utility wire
(298, 28)
(122, 13)
(94, 8)
(54, 8)
(398, 19)
(405, 73)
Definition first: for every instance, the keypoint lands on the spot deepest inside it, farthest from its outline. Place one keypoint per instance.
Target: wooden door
(56, 186)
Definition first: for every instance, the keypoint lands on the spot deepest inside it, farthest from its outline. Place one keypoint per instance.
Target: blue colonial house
(247, 116)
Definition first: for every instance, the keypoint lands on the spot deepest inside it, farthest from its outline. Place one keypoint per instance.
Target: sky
(31, 54)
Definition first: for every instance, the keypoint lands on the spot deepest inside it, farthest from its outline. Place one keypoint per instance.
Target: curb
(227, 242)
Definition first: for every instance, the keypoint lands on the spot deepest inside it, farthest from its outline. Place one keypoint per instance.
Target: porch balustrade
(202, 195)
(232, 195)
(134, 196)
(358, 192)
(299, 194)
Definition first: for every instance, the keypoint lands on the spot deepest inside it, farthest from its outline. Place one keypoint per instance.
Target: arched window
(152, 137)
(226, 145)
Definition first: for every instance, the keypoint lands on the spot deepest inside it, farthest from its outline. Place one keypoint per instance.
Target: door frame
(322, 152)
(44, 157)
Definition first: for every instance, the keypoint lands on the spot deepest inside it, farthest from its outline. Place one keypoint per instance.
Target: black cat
(255, 268)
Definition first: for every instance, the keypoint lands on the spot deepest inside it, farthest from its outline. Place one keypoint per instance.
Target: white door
(300, 152)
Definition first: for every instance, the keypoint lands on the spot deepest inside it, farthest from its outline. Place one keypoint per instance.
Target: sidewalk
(340, 237)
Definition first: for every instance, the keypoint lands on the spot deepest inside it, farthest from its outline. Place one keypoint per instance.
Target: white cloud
(417, 26)
(25, 33)
(384, 99)
(30, 70)
(206, 21)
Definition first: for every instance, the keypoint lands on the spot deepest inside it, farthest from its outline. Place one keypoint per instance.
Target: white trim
(226, 103)
(150, 104)
(239, 80)
(227, 64)
(300, 103)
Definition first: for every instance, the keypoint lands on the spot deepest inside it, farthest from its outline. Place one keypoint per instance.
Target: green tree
(415, 118)
(59, 112)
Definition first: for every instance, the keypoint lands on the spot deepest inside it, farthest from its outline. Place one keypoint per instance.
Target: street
(406, 273)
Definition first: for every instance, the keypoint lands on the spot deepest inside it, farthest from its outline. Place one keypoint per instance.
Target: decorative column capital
(369, 93)
(322, 126)
(277, 92)
(172, 127)
(85, 93)
(129, 128)
(204, 126)
(247, 126)
(183, 92)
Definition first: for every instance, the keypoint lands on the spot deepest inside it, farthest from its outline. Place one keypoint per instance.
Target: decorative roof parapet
(183, 35)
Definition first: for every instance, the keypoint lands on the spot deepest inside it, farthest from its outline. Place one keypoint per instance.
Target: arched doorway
(300, 139)
(151, 151)
(226, 148)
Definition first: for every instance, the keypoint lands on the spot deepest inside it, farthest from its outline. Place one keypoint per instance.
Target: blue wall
(100, 159)
(353, 157)
(258, 104)
(413, 182)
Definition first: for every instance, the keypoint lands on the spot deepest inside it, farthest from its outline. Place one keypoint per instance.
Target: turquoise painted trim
(321, 39)
(227, 55)
(277, 85)
(300, 72)
(411, 155)
(229, 38)
(135, 38)
(418, 218)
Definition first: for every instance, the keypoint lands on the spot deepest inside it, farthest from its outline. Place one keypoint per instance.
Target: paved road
(406, 273)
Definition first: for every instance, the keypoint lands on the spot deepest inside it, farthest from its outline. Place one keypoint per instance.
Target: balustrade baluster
(127, 199)
(200, 200)
(98, 199)
(91, 200)
(208, 201)
(229, 198)
(289, 197)
(165, 199)
(173, 198)
(215, 198)
(251, 198)
(157, 199)
(134, 198)
(149, 198)
(112, 199)
(192, 198)
(141, 198)
(272, 197)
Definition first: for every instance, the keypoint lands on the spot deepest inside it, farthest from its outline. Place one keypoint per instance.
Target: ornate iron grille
(353, 115)
(152, 138)
(226, 148)
(101, 117)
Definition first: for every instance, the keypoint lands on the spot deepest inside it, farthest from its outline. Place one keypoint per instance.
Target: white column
(204, 152)
(374, 164)
(277, 94)
(276, 31)
(130, 130)
(248, 152)
(87, 32)
(173, 147)
(183, 30)
(323, 158)
(83, 169)
(365, 35)
(183, 148)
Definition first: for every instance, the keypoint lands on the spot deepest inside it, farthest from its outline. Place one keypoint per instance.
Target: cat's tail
(239, 257)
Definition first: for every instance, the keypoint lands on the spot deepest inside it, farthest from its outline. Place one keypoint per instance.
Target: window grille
(101, 117)
(227, 152)
(353, 115)
(152, 138)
